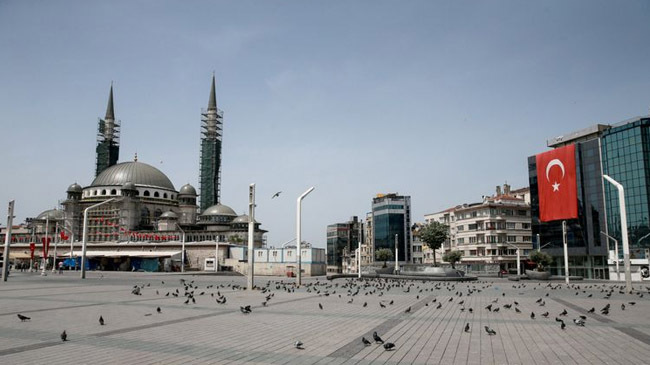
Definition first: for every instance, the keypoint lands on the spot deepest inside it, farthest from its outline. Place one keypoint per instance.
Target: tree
(542, 259)
(384, 255)
(452, 257)
(434, 235)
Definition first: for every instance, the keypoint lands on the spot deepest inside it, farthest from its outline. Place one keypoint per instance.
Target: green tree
(434, 235)
(384, 254)
(452, 257)
(542, 259)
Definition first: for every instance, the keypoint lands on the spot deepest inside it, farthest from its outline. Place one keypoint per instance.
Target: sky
(439, 100)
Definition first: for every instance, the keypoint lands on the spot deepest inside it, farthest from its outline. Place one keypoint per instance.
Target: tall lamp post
(85, 234)
(299, 232)
(5, 257)
(182, 247)
(251, 236)
(626, 245)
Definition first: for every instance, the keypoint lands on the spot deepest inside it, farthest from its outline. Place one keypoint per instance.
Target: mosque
(137, 217)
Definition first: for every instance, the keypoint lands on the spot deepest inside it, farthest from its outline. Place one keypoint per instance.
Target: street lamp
(540, 248)
(85, 233)
(626, 246)
(299, 232)
(182, 247)
(618, 274)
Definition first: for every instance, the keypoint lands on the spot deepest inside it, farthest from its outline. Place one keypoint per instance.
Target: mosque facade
(135, 206)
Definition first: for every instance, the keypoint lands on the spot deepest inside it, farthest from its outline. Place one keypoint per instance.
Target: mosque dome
(187, 189)
(128, 186)
(243, 219)
(219, 209)
(74, 188)
(169, 215)
(136, 172)
(52, 214)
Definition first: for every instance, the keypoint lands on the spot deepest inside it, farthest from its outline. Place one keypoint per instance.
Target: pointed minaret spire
(110, 112)
(212, 103)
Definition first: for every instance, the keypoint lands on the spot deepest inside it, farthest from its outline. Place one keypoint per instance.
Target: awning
(115, 253)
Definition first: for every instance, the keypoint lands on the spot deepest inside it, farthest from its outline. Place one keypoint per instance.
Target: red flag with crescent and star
(556, 184)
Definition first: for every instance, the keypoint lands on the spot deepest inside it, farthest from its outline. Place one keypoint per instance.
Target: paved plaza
(432, 332)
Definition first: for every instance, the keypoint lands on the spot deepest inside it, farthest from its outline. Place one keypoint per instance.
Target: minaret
(108, 138)
(210, 164)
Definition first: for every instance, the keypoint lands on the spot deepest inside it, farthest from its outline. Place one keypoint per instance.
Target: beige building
(488, 233)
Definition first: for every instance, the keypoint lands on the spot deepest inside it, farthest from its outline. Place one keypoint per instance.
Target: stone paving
(213, 333)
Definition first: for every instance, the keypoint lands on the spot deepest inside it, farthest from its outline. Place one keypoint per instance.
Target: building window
(113, 192)
(146, 193)
(512, 238)
(525, 225)
(156, 195)
(259, 253)
(522, 212)
(165, 195)
(461, 240)
(510, 225)
(460, 228)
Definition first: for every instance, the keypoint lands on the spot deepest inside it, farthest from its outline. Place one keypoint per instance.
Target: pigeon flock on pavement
(374, 289)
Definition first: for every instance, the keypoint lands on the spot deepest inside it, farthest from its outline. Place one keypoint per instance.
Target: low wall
(275, 269)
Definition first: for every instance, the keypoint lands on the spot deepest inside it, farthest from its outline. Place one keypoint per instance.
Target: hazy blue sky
(439, 100)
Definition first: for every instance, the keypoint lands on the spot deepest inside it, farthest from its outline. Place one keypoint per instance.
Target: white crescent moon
(554, 162)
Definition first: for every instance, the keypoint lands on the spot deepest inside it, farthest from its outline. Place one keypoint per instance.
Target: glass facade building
(621, 151)
(626, 159)
(342, 240)
(391, 217)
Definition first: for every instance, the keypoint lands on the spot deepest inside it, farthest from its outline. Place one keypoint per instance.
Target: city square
(432, 332)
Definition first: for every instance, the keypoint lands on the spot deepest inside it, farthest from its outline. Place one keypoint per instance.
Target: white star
(556, 186)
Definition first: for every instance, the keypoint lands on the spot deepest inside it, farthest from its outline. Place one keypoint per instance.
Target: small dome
(128, 186)
(187, 189)
(52, 214)
(243, 219)
(219, 209)
(136, 172)
(74, 188)
(169, 215)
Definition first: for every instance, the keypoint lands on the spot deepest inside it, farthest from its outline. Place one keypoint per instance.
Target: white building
(488, 233)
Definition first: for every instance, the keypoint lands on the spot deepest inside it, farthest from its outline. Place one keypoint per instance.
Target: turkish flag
(556, 184)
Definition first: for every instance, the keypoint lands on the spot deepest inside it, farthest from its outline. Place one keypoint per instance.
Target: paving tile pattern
(210, 333)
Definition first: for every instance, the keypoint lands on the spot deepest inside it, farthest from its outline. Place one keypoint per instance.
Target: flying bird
(23, 318)
(276, 195)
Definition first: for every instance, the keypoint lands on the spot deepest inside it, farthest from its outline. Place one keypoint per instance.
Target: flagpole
(566, 253)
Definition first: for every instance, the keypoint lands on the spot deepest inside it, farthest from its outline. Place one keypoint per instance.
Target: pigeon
(591, 310)
(579, 322)
(101, 320)
(23, 318)
(516, 310)
(439, 306)
(490, 331)
(365, 304)
(298, 345)
(496, 309)
(564, 313)
(64, 336)
(276, 195)
(376, 337)
(408, 310)
(158, 310)
(244, 310)
(545, 314)
(389, 346)
(467, 327)
(365, 342)
(562, 325)
(532, 315)
(489, 307)
(623, 307)
(320, 306)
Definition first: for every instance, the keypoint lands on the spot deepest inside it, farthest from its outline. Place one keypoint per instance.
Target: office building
(391, 219)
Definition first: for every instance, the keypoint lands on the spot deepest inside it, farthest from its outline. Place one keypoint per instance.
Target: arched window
(137, 193)
(95, 192)
(146, 193)
(156, 195)
(157, 213)
(165, 195)
(113, 192)
(104, 192)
